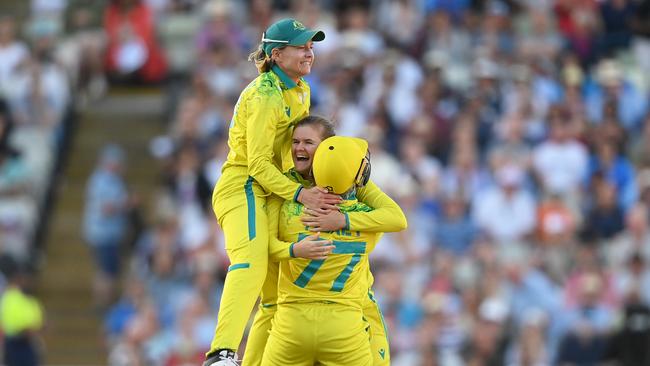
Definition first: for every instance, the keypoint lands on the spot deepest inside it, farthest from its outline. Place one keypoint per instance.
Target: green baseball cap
(288, 32)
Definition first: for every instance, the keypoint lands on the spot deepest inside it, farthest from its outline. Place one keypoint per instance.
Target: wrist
(291, 253)
(297, 197)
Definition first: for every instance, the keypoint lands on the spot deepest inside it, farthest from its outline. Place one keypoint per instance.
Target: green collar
(299, 179)
(284, 78)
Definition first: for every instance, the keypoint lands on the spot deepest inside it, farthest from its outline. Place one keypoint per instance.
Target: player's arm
(386, 216)
(264, 109)
(310, 247)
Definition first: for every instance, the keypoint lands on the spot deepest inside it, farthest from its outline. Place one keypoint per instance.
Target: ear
(275, 53)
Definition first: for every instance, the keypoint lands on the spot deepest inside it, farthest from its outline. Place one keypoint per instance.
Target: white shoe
(222, 358)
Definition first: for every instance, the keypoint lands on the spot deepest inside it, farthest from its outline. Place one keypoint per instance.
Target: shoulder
(266, 85)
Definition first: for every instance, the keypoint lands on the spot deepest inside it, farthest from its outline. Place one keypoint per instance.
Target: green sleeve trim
(295, 195)
(238, 266)
(291, 250)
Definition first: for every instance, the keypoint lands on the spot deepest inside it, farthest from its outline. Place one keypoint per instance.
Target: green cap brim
(306, 36)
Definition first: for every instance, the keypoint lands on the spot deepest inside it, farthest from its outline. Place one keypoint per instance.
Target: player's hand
(312, 247)
(318, 199)
(329, 221)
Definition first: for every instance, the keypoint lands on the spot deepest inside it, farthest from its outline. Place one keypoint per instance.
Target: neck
(307, 176)
(295, 79)
(290, 75)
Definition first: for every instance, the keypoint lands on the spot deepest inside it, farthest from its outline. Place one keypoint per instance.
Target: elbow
(402, 222)
(255, 167)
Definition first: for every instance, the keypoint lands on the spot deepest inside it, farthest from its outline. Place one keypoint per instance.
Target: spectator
(560, 162)
(578, 21)
(21, 319)
(530, 347)
(6, 124)
(441, 41)
(464, 175)
(39, 93)
(510, 147)
(133, 52)
(640, 25)
(455, 231)
(541, 40)
(105, 220)
(605, 219)
(81, 53)
(220, 29)
(506, 212)
(12, 51)
(424, 168)
(639, 149)
(119, 315)
(629, 344)
(556, 223)
(585, 343)
(488, 347)
(617, 170)
(628, 102)
(17, 207)
(634, 239)
(191, 194)
(617, 16)
(634, 280)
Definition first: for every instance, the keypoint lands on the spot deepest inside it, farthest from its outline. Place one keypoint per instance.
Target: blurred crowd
(515, 135)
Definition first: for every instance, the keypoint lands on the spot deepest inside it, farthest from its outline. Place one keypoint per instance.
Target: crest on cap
(298, 25)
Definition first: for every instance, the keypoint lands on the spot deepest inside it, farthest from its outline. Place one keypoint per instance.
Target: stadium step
(74, 335)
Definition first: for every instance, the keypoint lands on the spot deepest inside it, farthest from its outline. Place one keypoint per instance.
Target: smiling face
(305, 141)
(296, 61)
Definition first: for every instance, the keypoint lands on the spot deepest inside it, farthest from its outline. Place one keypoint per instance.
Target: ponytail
(262, 62)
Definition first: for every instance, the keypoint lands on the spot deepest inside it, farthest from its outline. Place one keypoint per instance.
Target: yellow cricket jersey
(260, 135)
(386, 215)
(342, 277)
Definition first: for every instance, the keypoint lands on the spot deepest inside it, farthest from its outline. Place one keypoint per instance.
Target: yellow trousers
(242, 216)
(378, 332)
(261, 328)
(258, 336)
(307, 334)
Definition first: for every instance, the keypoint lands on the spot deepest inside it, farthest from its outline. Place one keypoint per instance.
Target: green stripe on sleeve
(291, 250)
(250, 203)
(238, 266)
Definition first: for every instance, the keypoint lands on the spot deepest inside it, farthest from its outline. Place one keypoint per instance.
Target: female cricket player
(260, 142)
(385, 217)
(320, 305)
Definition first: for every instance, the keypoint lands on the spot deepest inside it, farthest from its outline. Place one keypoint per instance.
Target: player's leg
(378, 333)
(262, 324)
(246, 234)
(342, 337)
(291, 341)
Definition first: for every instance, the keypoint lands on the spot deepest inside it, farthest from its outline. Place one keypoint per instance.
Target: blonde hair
(262, 61)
